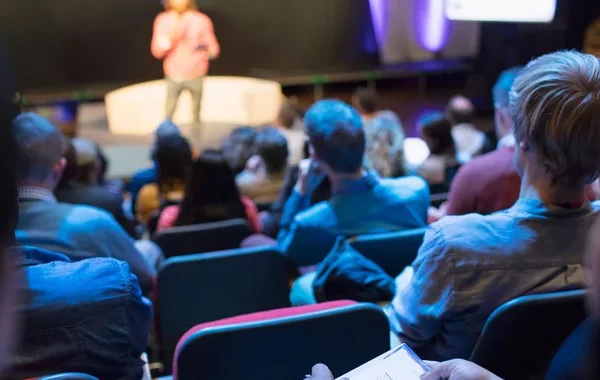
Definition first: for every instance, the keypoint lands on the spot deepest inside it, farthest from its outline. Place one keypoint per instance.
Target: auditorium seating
(283, 344)
(200, 238)
(392, 251)
(69, 376)
(522, 336)
(196, 289)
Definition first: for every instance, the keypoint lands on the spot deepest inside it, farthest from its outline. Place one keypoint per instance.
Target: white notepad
(401, 363)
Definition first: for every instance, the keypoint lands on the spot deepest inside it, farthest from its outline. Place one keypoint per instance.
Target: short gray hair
(40, 146)
(555, 105)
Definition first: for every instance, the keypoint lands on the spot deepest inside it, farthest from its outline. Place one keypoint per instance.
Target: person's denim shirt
(87, 316)
(470, 265)
(366, 205)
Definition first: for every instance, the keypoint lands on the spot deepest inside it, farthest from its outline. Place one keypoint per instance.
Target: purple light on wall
(379, 10)
(431, 26)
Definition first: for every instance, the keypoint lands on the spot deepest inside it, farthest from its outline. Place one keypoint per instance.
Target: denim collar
(535, 206)
(355, 186)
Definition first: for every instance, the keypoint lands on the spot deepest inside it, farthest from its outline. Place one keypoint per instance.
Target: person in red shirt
(184, 39)
(488, 183)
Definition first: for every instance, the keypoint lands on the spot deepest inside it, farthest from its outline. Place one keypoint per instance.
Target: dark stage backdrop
(58, 44)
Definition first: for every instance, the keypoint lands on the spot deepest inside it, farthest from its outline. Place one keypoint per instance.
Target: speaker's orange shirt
(186, 42)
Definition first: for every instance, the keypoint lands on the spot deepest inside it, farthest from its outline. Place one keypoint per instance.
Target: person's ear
(59, 168)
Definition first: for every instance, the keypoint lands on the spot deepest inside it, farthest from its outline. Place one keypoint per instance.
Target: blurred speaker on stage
(184, 39)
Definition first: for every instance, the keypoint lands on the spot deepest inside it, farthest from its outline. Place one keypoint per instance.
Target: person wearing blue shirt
(361, 203)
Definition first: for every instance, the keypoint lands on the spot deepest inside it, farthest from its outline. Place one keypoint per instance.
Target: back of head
(272, 147)
(436, 131)
(335, 131)
(40, 146)
(211, 193)
(70, 171)
(86, 159)
(555, 105)
(365, 100)
(288, 115)
(173, 158)
(501, 90)
(239, 147)
(460, 110)
(166, 128)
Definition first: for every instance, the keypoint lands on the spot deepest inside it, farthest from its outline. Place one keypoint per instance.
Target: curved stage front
(227, 102)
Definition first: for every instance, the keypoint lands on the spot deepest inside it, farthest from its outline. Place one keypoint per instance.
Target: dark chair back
(200, 238)
(391, 251)
(286, 348)
(69, 376)
(200, 288)
(521, 337)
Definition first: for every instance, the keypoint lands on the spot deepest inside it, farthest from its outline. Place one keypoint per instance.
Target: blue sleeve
(418, 309)
(98, 232)
(295, 204)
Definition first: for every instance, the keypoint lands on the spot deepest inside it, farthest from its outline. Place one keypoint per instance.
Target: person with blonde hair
(469, 265)
(184, 39)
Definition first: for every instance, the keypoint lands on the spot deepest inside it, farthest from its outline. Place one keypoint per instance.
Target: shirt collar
(537, 207)
(355, 186)
(31, 193)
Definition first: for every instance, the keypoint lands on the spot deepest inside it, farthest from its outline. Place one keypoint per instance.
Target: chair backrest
(69, 376)
(200, 238)
(287, 347)
(521, 337)
(200, 288)
(391, 251)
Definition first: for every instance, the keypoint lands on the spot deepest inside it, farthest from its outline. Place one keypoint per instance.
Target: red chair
(283, 343)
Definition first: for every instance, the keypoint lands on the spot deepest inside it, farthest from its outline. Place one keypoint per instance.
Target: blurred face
(179, 5)
(591, 263)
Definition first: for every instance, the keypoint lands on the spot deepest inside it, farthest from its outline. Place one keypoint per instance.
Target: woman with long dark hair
(211, 195)
(442, 163)
(173, 158)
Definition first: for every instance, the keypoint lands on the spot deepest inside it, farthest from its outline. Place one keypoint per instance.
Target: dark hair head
(366, 100)
(211, 194)
(173, 157)
(272, 147)
(288, 115)
(501, 90)
(239, 147)
(436, 130)
(335, 131)
(70, 171)
(460, 110)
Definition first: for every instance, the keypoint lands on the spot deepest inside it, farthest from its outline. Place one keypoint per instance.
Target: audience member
(87, 316)
(173, 158)
(263, 176)
(287, 123)
(488, 183)
(441, 164)
(384, 135)
(461, 113)
(270, 220)
(469, 265)
(77, 231)
(211, 195)
(148, 175)
(80, 184)
(239, 147)
(361, 203)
